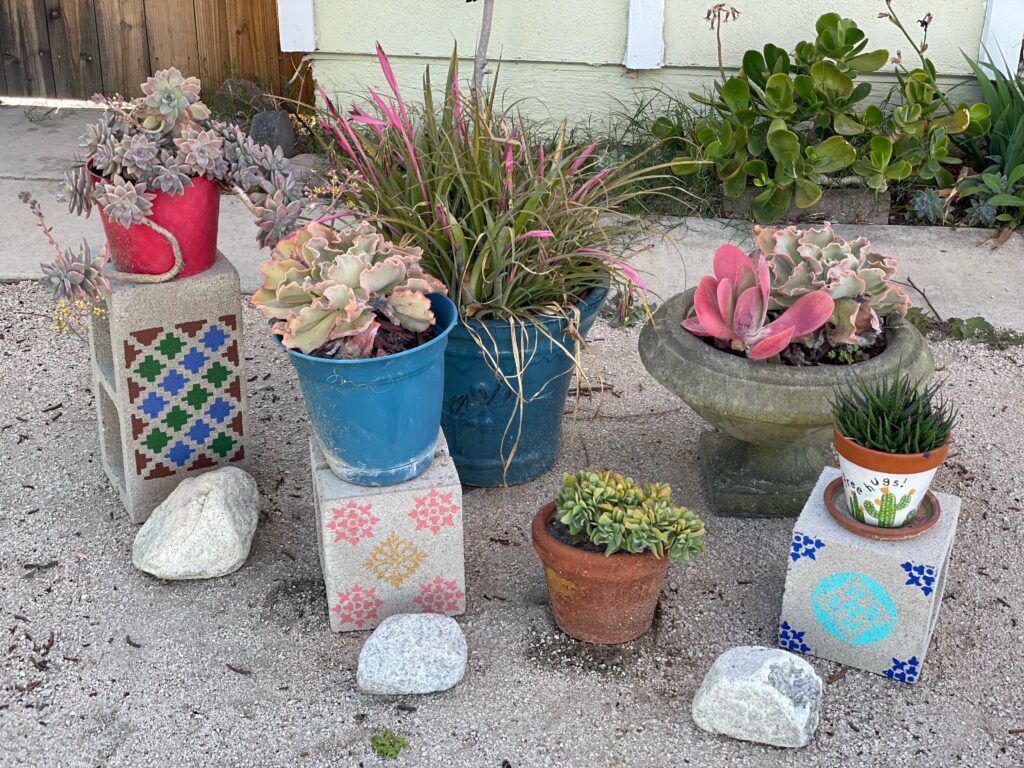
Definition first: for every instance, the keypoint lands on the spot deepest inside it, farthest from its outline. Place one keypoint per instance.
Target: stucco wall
(565, 56)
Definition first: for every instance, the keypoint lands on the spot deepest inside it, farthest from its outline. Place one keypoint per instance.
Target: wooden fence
(75, 48)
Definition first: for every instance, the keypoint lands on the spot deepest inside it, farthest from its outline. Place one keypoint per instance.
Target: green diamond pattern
(170, 345)
(217, 374)
(176, 418)
(222, 444)
(156, 440)
(197, 396)
(150, 368)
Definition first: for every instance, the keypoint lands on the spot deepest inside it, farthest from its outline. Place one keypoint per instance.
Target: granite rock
(203, 529)
(412, 653)
(760, 694)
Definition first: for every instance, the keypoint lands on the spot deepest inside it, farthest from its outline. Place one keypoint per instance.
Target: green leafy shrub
(894, 415)
(790, 122)
(614, 512)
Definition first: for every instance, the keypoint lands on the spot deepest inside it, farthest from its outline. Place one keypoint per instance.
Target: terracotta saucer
(926, 516)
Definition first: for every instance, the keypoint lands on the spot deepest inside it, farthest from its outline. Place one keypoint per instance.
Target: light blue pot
(376, 419)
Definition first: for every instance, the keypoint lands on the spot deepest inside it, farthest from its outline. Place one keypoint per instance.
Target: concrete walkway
(961, 276)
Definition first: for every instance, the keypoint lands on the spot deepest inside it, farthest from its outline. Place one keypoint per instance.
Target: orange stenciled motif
(352, 523)
(394, 560)
(434, 511)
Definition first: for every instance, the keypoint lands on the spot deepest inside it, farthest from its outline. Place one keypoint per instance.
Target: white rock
(203, 529)
(760, 694)
(412, 653)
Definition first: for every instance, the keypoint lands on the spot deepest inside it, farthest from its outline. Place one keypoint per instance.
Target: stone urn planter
(774, 422)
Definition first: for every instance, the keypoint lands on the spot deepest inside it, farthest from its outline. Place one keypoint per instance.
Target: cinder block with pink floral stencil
(390, 549)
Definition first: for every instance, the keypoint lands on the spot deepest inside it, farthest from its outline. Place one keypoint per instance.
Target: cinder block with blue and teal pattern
(864, 603)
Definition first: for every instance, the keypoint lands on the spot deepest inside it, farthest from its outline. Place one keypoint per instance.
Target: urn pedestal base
(748, 480)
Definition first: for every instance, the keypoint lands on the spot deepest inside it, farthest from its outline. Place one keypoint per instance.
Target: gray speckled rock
(203, 529)
(412, 653)
(760, 694)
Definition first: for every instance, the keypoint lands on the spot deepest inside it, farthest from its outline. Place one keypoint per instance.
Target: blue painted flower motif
(173, 382)
(179, 453)
(904, 671)
(199, 432)
(804, 546)
(152, 405)
(213, 338)
(219, 410)
(792, 640)
(922, 576)
(193, 360)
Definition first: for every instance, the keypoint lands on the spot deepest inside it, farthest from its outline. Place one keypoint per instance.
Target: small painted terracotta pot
(885, 489)
(598, 598)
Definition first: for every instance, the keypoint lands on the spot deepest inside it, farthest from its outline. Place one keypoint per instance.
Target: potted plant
(155, 167)
(891, 436)
(758, 348)
(523, 233)
(605, 543)
(366, 329)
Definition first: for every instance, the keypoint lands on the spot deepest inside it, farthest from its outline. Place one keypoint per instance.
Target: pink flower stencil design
(434, 511)
(440, 596)
(357, 606)
(352, 523)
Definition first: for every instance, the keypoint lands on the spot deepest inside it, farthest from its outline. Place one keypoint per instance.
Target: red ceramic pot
(192, 217)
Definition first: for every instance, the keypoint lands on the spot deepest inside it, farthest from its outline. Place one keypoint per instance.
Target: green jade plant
(788, 123)
(346, 293)
(615, 513)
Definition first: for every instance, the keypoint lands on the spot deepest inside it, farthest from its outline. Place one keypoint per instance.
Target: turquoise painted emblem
(854, 608)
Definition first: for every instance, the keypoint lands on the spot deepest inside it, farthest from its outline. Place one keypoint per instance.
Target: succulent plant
(859, 280)
(928, 206)
(330, 291)
(160, 142)
(981, 213)
(894, 415)
(732, 306)
(611, 511)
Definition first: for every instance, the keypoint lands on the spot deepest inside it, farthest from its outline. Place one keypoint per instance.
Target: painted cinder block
(168, 374)
(390, 549)
(868, 604)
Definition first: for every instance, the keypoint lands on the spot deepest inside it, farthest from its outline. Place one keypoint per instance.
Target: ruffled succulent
(125, 202)
(859, 279)
(614, 512)
(339, 287)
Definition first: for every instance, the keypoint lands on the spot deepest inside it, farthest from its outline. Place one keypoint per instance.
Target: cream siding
(564, 57)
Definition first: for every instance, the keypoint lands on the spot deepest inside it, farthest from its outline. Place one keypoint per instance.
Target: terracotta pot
(192, 217)
(596, 598)
(885, 489)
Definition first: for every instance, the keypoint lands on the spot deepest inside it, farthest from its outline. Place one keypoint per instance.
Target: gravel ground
(106, 666)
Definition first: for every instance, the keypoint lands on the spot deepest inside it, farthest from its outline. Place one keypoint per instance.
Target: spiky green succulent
(613, 512)
(859, 280)
(336, 288)
(894, 415)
